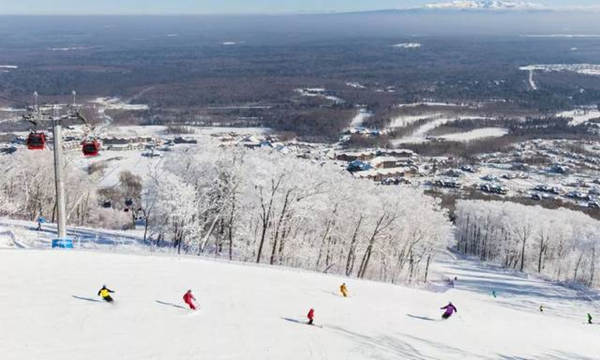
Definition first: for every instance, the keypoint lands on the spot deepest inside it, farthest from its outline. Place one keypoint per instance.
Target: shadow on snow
(169, 304)
(85, 298)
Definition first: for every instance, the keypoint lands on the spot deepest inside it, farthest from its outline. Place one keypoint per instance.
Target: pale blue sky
(222, 6)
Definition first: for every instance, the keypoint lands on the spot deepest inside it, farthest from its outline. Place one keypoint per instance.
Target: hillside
(51, 311)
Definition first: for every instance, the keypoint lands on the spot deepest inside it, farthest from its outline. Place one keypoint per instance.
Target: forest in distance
(214, 68)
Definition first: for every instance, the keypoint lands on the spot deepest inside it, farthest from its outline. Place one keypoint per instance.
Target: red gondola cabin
(36, 141)
(90, 147)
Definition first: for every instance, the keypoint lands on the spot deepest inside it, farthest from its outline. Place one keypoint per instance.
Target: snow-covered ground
(360, 117)
(411, 45)
(116, 162)
(584, 69)
(406, 120)
(67, 48)
(532, 81)
(355, 85)
(320, 92)
(420, 134)
(580, 116)
(427, 103)
(475, 134)
(51, 311)
(114, 103)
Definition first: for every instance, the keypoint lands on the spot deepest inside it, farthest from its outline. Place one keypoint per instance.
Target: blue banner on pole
(62, 243)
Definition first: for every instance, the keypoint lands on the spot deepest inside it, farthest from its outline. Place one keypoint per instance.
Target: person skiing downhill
(589, 316)
(105, 294)
(311, 316)
(344, 290)
(189, 299)
(41, 220)
(450, 309)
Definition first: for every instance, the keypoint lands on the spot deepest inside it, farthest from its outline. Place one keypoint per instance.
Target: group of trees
(249, 205)
(265, 207)
(560, 243)
(27, 191)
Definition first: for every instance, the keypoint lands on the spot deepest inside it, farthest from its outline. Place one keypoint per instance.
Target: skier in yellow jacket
(344, 290)
(105, 294)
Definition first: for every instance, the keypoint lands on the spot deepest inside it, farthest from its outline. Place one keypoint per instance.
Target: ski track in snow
(532, 83)
(360, 118)
(46, 297)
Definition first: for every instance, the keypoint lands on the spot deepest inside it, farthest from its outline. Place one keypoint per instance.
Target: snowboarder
(344, 290)
(450, 309)
(311, 316)
(105, 294)
(189, 299)
(589, 316)
(494, 293)
(541, 308)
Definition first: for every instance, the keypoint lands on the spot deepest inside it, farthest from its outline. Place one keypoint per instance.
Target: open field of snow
(579, 116)
(113, 103)
(51, 311)
(420, 134)
(475, 134)
(405, 120)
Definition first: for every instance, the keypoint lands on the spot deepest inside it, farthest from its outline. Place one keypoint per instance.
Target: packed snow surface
(50, 311)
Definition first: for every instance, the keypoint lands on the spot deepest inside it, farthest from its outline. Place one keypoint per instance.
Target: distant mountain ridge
(485, 5)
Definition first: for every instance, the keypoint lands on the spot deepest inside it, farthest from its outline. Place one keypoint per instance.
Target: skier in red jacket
(311, 316)
(187, 298)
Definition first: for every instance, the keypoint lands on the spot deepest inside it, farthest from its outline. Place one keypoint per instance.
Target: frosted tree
(558, 242)
(265, 206)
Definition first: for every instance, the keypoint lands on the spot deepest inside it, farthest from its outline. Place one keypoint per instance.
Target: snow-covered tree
(264, 206)
(560, 243)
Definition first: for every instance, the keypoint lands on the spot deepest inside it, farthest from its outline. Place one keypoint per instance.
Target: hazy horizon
(230, 7)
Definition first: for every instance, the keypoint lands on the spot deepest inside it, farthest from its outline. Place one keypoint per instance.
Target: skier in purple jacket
(450, 309)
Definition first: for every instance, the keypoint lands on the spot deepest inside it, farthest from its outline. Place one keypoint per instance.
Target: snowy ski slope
(49, 310)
